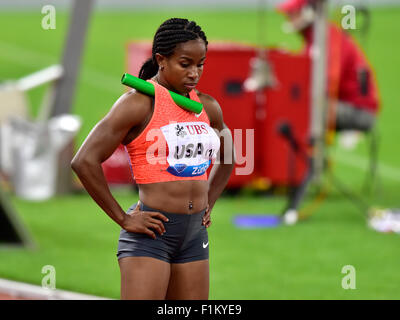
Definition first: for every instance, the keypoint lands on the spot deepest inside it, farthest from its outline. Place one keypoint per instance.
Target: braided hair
(170, 33)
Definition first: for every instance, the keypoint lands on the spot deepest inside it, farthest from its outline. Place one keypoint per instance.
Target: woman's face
(182, 70)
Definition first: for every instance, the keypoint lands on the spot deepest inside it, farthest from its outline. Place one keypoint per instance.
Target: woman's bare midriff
(184, 197)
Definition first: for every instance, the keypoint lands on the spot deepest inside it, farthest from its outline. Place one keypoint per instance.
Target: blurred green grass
(301, 262)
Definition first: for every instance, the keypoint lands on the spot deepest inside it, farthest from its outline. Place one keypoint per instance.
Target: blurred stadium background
(303, 261)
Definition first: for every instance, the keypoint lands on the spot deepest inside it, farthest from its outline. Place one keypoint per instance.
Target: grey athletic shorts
(185, 239)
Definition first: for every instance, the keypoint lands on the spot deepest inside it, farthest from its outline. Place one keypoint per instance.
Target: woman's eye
(200, 65)
(184, 65)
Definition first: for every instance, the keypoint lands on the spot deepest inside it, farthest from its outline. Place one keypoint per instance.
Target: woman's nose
(193, 73)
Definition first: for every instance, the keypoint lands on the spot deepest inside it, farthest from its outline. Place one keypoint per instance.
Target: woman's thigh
(189, 281)
(144, 278)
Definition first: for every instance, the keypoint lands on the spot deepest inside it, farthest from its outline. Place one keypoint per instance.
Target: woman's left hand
(206, 217)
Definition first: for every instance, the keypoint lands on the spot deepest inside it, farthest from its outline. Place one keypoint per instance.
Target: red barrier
(287, 103)
(117, 169)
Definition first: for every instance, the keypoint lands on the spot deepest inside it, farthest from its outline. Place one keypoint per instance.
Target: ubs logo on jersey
(194, 129)
(180, 132)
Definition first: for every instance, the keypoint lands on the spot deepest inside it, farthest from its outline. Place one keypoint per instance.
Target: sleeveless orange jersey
(175, 145)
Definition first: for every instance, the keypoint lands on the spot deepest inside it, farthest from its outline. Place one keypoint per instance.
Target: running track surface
(4, 296)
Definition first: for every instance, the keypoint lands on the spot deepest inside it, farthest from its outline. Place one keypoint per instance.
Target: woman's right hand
(144, 221)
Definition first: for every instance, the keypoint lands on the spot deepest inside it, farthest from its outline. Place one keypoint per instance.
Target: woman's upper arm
(214, 111)
(127, 112)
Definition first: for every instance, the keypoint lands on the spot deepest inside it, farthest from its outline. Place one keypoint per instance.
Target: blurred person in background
(163, 248)
(351, 81)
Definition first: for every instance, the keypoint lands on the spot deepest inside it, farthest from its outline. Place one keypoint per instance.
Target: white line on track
(29, 291)
(362, 163)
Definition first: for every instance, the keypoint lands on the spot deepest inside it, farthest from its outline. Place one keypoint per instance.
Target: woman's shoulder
(212, 108)
(134, 99)
(132, 105)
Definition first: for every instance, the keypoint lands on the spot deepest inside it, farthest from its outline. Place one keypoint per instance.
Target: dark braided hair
(170, 33)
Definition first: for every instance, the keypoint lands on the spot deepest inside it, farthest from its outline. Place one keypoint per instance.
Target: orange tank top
(175, 145)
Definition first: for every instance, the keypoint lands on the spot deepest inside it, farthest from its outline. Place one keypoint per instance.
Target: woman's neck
(166, 85)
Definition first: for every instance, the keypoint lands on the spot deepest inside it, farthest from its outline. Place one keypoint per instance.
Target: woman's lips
(190, 86)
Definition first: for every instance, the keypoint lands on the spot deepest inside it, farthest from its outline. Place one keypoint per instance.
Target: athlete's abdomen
(175, 196)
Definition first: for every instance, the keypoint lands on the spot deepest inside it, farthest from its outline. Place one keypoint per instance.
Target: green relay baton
(148, 88)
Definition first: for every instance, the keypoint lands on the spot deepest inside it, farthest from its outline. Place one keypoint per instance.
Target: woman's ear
(160, 61)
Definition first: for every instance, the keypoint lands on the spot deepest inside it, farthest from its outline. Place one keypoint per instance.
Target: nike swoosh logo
(205, 245)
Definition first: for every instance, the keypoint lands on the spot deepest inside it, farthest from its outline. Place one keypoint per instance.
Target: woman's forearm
(94, 181)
